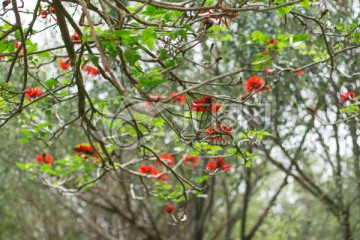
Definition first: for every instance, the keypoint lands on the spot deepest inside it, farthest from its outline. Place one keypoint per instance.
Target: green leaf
(301, 37)
(25, 166)
(26, 132)
(226, 37)
(150, 82)
(182, 33)
(52, 82)
(131, 56)
(94, 59)
(148, 36)
(306, 4)
(201, 179)
(44, 55)
(163, 53)
(340, 26)
(259, 36)
(283, 11)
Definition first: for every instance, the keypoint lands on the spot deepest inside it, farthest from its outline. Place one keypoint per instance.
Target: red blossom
(43, 13)
(151, 170)
(254, 83)
(216, 14)
(205, 104)
(192, 159)
(272, 41)
(92, 71)
(33, 93)
(166, 157)
(17, 44)
(230, 15)
(147, 169)
(216, 134)
(347, 96)
(299, 73)
(218, 162)
(170, 209)
(44, 158)
(75, 37)
(65, 63)
(86, 150)
(178, 99)
(155, 97)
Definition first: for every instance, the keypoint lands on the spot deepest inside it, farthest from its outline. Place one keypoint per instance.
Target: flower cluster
(349, 95)
(86, 150)
(65, 63)
(205, 104)
(49, 10)
(216, 134)
(178, 99)
(220, 15)
(44, 158)
(75, 37)
(255, 84)
(299, 73)
(91, 70)
(150, 169)
(166, 158)
(33, 93)
(218, 163)
(270, 46)
(191, 159)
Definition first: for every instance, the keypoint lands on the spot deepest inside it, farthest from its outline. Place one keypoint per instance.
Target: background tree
(150, 117)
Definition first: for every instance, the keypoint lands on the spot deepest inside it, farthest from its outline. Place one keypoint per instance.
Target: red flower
(44, 158)
(218, 163)
(75, 37)
(192, 159)
(204, 104)
(299, 73)
(230, 15)
(65, 63)
(148, 169)
(86, 150)
(170, 209)
(347, 96)
(216, 134)
(17, 44)
(33, 93)
(178, 99)
(143, 169)
(216, 14)
(272, 41)
(253, 84)
(151, 170)
(92, 71)
(155, 97)
(43, 13)
(166, 157)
